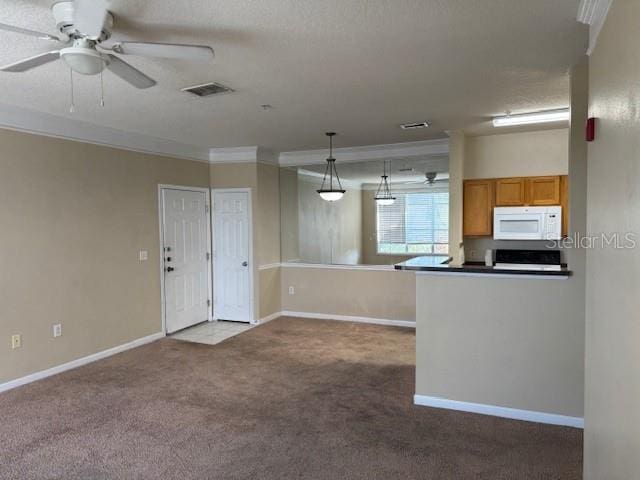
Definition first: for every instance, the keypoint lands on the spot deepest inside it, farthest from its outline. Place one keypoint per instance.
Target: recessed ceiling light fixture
(329, 190)
(414, 126)
(531, 118)
(383, 194)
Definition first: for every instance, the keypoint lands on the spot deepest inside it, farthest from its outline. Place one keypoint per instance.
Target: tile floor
(211, 332)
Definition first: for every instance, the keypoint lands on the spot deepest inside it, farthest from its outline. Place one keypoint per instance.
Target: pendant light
(383, 194)
(331, 190)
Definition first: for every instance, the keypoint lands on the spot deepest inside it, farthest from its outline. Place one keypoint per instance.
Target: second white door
(232, 269)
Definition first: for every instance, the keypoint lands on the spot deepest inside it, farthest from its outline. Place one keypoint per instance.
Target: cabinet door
(478, 207)
(544, 190)
(510, 192)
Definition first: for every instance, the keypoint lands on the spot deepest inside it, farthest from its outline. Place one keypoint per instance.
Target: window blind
(416, 223)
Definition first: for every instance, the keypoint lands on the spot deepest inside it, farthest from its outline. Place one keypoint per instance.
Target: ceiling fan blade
(31, 62)
(89, 16)
(128, 73)
(26, 31)
(199, 53)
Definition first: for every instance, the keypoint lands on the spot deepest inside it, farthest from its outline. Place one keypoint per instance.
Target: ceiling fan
(83, 26)
(431, 179)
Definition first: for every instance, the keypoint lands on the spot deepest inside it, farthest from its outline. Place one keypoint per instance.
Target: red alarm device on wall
(590, 129)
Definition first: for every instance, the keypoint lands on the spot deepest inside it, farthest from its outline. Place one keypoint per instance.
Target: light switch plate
(57, 330)
(16, 341)
(144, 255)
(292, 291)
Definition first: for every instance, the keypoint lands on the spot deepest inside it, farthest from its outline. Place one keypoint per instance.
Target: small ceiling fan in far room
(431, 179)
(83, 26)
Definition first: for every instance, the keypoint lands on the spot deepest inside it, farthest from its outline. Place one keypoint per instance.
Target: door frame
(248, 191)
(208, 209)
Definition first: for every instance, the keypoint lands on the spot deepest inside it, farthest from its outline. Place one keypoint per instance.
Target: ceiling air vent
(413, 126)
(207, 89)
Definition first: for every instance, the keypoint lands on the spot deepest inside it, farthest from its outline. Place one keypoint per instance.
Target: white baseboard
(505, 412)
(79, 362)
(349, 318)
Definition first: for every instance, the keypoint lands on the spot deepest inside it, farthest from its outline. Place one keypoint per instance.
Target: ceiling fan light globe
(385, 201)
(331, 195)
(83, 60)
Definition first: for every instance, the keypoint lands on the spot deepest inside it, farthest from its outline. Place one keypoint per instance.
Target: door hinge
(208, 302)
(208, 256)
(206, 208)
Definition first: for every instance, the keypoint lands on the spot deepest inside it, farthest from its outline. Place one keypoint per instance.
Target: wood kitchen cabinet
(543, 191)
(480, 196)
(478, 204)
(510, 192)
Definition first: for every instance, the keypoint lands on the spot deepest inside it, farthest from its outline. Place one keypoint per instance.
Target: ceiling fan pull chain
(101, 90)
(72, 108)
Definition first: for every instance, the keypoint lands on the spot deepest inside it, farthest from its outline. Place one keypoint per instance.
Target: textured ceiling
(359, 67)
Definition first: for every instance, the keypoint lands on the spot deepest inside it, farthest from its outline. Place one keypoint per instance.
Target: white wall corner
(593, 13)
(233, 155)
(268, 156)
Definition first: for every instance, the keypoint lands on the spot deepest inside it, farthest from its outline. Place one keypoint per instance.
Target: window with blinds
(416, 223)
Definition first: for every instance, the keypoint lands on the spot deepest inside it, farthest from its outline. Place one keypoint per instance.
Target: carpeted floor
(292, 399)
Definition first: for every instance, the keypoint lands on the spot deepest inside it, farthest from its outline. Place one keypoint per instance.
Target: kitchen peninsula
(498, 341)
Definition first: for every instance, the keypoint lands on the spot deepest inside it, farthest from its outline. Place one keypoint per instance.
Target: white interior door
(231, 260)
(186, 272)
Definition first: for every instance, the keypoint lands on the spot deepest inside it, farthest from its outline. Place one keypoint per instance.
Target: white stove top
(528, 266)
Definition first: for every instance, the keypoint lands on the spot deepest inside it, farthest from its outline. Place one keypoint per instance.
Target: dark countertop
(441, 264)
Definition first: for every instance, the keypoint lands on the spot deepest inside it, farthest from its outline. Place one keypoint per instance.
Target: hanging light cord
(331, 170)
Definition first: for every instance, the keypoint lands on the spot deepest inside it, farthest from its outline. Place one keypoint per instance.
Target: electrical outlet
(57, 330)
(143, 255)
(292, 290)
(16, 341)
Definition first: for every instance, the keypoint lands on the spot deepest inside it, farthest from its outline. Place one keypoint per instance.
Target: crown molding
(56, 126)
(317, 175)
(233, 155)
(370, 152)
(593, 13)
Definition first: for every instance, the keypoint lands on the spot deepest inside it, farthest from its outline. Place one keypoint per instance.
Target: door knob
(244, 264)
(170, 269)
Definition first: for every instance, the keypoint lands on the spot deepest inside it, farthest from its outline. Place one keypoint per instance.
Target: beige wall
(270, 291)
(517, 154)
(268, 211)
(289, 249)
(514, 343)
(612, 422)
(357, 292)
(329, 232)
(268, 223)
(74, 217)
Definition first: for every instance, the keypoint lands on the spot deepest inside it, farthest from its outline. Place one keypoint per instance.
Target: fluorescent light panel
(533, 117)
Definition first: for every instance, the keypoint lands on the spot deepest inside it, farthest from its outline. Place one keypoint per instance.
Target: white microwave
(527, 223)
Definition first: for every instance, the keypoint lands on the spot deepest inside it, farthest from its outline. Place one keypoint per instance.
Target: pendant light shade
(383, 194)
(331, 190)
